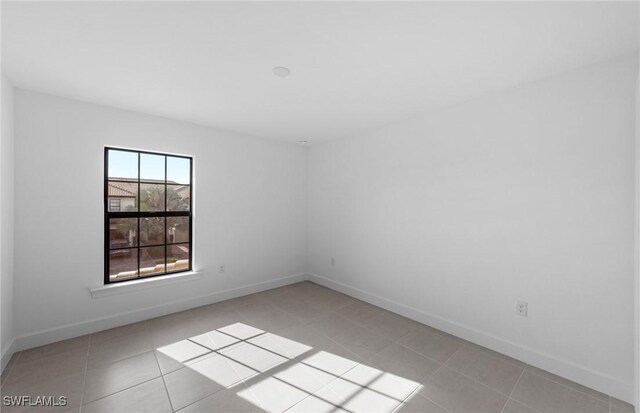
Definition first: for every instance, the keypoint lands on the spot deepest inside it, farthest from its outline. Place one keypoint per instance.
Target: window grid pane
(142, 208)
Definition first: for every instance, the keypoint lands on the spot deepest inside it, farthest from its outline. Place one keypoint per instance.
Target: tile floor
(299, 348)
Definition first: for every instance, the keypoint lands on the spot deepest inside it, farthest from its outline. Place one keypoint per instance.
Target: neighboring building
(120, 198)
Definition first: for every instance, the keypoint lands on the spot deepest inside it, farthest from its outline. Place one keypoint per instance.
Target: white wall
(6, 224)
(637, 246)
(249, 213)
(524, 194)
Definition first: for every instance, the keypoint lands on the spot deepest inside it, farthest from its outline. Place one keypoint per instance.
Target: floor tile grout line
(358, 363)
(416, 392)
(479, 382)
(127, 388)
(415, 352)
(121, 390)
(440, 366)
(488, 352)
(208, 395)
(325, 385)
(319, 369)
(126, 356)
(421, 385)
(396, 341)
(465, 342)
(363, 361)
(51, 356)
(258, 372)
(462, 373)
(164, 383)
(310, 394)
(569, 387)
(84, 377)
(514, 389)
(433, 374)
(336, 311)
(363, 387)
(406, 334)
(368, 328)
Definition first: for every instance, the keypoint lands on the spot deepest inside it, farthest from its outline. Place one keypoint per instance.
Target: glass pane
(151, 197)
(151, 167)
(178, 197)
(122, 196)
(178, 171)
(123, 264)
(177, 257)
(122, 233)
(151, 261)
(177, 229)
(122, 164)
(152, 231)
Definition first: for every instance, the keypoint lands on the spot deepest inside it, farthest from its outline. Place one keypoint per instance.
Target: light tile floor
(299, 348)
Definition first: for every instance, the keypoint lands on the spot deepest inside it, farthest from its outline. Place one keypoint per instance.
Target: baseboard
(582, 375)
(7, 353)
(91, 326)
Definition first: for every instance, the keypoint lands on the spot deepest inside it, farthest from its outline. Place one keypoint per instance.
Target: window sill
(143, 284)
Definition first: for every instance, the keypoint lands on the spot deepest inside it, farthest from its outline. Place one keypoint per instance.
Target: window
(147, 220)
(114, 204)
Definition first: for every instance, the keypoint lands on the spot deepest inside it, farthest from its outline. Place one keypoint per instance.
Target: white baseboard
(7, 352)
(582, 375)
(91, 326)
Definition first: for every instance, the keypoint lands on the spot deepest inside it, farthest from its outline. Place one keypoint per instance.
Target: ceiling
(354, 66)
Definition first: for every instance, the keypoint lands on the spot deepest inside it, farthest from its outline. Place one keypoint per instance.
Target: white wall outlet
(333, 261)
(221, 268)
(521, 308)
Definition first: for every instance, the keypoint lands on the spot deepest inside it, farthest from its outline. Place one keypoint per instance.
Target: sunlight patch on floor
(302, 378)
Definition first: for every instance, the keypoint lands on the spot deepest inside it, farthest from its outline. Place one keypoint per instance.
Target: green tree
(152, 198)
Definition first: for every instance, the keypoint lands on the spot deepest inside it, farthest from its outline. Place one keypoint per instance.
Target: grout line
(477, 381)
(363, 387)
(443, 363)
(84, 378)
(132, 386)
(462, 373)
(514, 389)
(164, 383)
(303, 363)
(434, 372)
(566, 386)
(120, 391)
(466, 341)
(416, 393)
(490, 353)
(419, 354)
(208, 395)
(361, 361)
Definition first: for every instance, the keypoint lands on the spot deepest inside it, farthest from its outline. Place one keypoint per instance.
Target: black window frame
(108, 215)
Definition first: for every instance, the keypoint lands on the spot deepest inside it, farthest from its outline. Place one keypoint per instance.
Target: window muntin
(148, 219)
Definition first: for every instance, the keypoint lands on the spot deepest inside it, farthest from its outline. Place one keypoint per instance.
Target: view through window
(148, 221)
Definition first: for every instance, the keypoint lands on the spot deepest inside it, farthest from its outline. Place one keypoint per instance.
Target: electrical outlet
(333, 261)
(221, 268)
(521, 308)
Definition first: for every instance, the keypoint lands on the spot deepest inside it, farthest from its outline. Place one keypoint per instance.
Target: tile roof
(116, 191)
